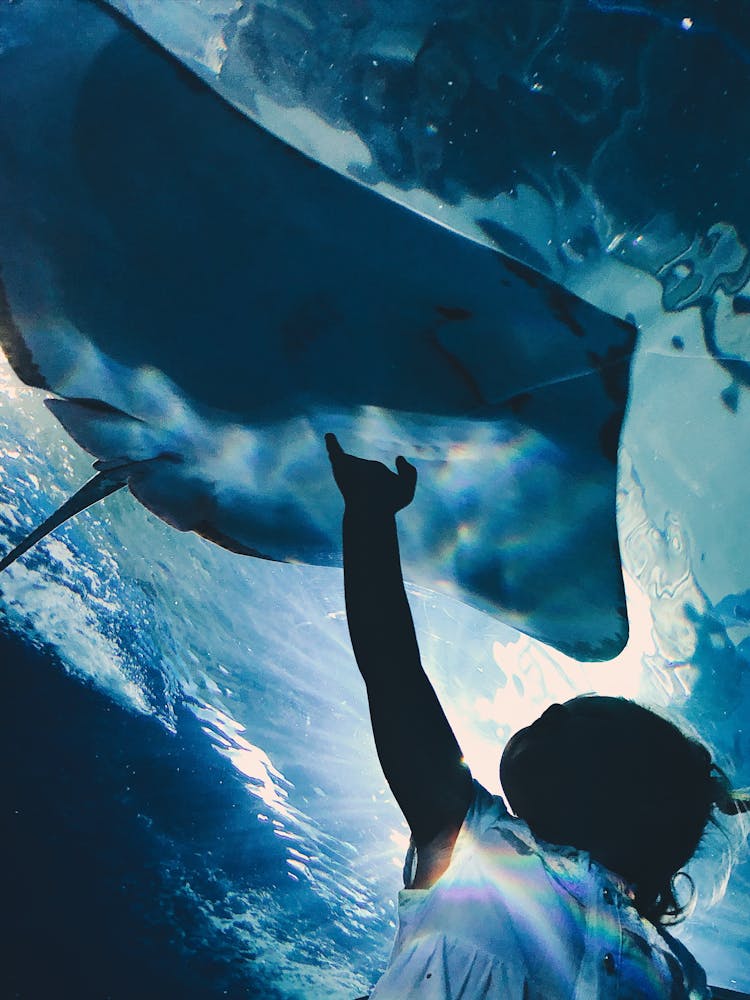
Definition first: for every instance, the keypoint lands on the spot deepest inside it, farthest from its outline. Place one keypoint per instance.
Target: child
(567, 899)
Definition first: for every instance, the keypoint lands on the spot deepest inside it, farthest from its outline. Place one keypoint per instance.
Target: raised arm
(418, 751)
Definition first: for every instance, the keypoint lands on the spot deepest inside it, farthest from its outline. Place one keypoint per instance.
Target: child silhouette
(565, 900)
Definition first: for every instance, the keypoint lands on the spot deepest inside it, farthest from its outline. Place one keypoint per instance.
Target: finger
(406, 471)
(335, 451)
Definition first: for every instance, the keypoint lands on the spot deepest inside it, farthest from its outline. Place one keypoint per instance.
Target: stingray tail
(111, 477)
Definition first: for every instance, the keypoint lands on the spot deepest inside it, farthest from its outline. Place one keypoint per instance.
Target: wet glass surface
(599, 144)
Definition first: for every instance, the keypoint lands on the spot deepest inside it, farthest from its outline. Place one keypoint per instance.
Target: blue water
(194, 779)
(129, 844)
(195, 805)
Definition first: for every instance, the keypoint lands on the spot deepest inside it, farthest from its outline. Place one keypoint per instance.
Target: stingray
(203, 302)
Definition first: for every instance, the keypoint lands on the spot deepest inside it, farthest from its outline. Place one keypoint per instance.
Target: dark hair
(616, 779)
(680, 789)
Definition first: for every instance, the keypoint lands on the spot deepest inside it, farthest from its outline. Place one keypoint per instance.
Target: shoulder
(485, 810)
(431, 860)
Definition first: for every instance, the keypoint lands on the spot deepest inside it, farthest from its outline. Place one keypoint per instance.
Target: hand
(370, 485)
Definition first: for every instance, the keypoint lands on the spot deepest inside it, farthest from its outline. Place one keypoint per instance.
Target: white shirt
(519, 919)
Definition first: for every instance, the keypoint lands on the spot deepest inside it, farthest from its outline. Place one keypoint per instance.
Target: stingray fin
(113, 474)
(102, 484)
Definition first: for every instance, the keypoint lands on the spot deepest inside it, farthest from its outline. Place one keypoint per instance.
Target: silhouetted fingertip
(332, 444)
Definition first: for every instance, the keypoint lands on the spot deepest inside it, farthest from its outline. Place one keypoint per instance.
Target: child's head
(611, 777)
